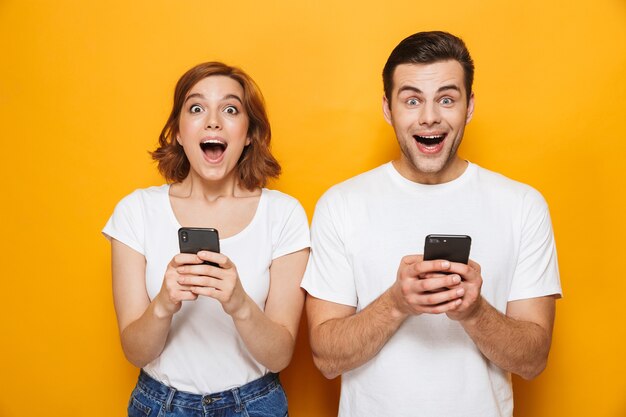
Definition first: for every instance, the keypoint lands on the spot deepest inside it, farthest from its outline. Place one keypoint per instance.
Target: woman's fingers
(218, 258)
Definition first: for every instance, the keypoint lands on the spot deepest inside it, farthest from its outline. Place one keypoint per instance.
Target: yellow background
(85, 88)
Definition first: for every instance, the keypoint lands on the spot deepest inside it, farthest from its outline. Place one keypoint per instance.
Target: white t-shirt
(203, 352)
(430, 367)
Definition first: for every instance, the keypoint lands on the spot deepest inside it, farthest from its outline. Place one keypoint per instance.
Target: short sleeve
(329, 274)
(126, 223)
(537, 272)
(294, 233)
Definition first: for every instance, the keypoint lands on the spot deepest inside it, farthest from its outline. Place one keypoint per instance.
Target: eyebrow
(439, 90)
(226, 97)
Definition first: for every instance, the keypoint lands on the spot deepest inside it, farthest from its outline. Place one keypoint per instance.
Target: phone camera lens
(184, 236)
(434, 240)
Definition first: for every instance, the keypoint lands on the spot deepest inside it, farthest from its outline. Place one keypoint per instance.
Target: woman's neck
(195, 187)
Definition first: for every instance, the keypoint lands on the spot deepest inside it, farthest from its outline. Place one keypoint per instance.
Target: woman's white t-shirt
(203, 352)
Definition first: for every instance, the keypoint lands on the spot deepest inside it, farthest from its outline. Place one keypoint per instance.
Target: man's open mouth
(430, 140)
(213, 148)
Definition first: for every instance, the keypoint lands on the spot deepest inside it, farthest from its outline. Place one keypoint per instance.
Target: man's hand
(419, 288)
(471, 283)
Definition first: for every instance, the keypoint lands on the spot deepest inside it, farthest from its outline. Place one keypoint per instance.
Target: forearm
(270, 343)
(517, 346)
(342, 344)
(143, 340)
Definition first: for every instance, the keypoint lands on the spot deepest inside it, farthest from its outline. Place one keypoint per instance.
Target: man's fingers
(425, 267)
(474, 266)
(434, 298)
(411, 259)
(442, 307)
(438, 282)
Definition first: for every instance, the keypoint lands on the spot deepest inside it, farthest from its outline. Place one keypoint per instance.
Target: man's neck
(451, 171)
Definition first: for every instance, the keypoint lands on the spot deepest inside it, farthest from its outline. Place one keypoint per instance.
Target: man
(430, 338)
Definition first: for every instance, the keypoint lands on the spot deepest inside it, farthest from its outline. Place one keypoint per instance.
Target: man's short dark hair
(428, 48)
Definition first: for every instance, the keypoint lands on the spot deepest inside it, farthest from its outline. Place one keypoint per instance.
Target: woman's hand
(172, 293)
(268, 334)
(221, 283)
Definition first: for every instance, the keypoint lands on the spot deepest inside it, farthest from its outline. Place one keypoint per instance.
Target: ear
(470, 109)
(248, 141)
(386, 109)
(178, 139)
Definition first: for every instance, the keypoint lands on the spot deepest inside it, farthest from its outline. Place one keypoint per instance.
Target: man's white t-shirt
(203, 352)
(430, 367)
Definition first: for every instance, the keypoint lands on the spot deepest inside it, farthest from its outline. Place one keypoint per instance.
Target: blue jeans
(263, 397)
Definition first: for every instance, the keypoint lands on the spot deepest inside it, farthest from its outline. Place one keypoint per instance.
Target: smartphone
(195, 239)
(454, 248)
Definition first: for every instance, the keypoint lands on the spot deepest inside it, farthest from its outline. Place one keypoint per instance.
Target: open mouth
(429, 140)
(213, 148)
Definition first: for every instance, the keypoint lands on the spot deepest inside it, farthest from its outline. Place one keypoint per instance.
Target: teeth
(215, 141)
(430, 140)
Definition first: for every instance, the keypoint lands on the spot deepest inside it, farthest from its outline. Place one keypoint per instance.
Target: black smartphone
(454, 248)
(195, 239)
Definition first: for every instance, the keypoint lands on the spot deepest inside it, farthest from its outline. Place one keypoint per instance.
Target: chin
(429, 166)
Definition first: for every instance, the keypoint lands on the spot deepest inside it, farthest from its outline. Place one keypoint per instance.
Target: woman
(210, 338)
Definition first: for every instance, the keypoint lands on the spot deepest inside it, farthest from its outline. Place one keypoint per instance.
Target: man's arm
(342, 340)
(518, 342)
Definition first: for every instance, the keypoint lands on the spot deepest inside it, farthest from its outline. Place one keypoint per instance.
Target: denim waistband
(229, 398)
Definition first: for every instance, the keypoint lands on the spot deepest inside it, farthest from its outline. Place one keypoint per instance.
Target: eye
(196, 108)
(446, 101)
(412, 102)
(231, 110)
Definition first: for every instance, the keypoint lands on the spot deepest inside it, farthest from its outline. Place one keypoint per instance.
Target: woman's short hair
(256, 164)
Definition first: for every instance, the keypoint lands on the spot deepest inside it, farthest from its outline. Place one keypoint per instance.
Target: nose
(213, 120)
(430, 114)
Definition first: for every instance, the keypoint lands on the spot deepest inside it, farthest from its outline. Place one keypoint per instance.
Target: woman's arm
(269, 336)
(144, 325)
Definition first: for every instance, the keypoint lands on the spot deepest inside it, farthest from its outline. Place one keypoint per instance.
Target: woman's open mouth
(213, 149)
